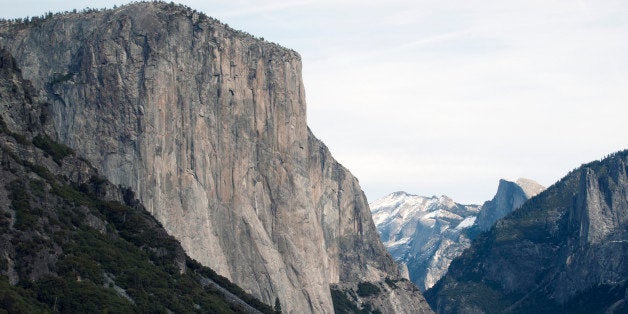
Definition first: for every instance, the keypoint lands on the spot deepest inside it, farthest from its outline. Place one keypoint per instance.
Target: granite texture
(207, 125)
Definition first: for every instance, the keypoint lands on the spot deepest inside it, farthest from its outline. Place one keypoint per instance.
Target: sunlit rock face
(207, 125)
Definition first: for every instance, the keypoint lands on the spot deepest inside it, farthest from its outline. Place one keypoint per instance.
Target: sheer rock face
(530, 187)
(510, 196)
(562, 251)
(207, 126)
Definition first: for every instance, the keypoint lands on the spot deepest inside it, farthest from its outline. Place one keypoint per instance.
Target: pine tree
(277, 306)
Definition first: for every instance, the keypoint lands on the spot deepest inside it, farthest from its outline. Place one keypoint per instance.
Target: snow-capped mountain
(424, 233)
(427, 233)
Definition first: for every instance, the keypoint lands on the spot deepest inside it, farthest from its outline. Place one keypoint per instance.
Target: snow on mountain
(466, 223)
(427, 233)
(418, 231)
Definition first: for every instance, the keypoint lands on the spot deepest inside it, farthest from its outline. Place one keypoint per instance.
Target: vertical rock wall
(208, 126)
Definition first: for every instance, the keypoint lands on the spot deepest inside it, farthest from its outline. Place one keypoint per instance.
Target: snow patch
(466, 223)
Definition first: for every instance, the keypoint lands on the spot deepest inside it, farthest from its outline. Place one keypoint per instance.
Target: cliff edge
(207, 125)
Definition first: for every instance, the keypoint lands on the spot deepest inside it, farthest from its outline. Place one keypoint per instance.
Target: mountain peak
(400, 193)
(561, 252)
(530, 187)
(410, 221)
(510, 196)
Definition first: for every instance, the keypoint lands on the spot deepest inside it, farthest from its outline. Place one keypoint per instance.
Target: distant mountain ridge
(562, 251)
(426, 233)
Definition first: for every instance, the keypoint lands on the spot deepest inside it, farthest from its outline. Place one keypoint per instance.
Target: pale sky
(445, 97)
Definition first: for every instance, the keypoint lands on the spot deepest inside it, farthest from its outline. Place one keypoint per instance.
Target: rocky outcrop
(388, 296)
(509, 196)
(207, 126)
(562, 251)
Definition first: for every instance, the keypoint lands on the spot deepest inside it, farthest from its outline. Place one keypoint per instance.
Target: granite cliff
(207, 126)
(562, 251)
(509, 196)
(72, 242)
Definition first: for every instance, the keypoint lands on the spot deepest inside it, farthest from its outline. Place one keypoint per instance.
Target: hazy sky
(445, 97)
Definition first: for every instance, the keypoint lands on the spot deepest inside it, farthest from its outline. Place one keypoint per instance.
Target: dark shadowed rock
(562, 251)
